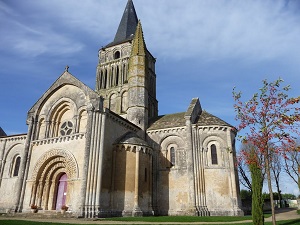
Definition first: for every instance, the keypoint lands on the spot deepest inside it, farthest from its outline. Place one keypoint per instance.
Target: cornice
(59, 139)
(167, 130)
(14, 138)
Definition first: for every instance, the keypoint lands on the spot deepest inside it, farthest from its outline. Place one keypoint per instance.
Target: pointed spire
(128, 23)
(138, 44)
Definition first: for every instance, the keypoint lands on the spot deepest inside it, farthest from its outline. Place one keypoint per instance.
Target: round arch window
(117, 55)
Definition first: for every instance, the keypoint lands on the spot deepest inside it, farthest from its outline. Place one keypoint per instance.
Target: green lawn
(158, 219)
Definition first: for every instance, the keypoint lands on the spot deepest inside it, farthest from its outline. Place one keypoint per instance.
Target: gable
(69, 88)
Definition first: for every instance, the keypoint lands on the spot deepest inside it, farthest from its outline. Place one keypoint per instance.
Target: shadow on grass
(289, 222)
(184, 219)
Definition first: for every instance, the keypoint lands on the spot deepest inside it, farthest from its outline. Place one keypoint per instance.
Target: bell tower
(125, 75)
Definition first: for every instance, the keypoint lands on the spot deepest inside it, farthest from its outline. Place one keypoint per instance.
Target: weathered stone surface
(117, 156)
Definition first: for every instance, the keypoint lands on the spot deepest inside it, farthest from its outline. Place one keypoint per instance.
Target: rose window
(66, 128)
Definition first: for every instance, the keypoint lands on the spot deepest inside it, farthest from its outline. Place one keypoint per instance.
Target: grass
(157, 219)
(23, 222)
(162, 219)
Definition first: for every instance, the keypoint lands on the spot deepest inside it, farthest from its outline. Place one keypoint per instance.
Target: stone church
(107, 152)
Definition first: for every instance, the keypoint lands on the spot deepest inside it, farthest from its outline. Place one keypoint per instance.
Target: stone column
(47, 129)
(154, 177)
(40, 196)
(112, 188)
(47, 189)
(33, 193)
(136, 211)
(2, 162)
(25, 162)
(83, 190)
(190, 166)
(101, 213)
(233, 177)
(150, 181)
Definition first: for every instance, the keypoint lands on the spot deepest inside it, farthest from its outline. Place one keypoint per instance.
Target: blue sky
(203, 48)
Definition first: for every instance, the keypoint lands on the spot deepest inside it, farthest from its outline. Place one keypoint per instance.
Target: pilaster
(190, 166)
(21, 184)
(136, 211)
(83, 190)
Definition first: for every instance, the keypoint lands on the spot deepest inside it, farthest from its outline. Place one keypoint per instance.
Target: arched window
(113, 102)
(117, 76)
(111, 76)
(42, 129)
(172, 156)
(117, 55)
(16, 166)
(214, 156)
(124, 103)
(82, 121)
(124, 74)
(101, 80)
(105, 79)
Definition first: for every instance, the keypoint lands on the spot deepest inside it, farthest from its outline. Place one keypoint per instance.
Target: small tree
(268, 117)
(253, 159)
(243, 162)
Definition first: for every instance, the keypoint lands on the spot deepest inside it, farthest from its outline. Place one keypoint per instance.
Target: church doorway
(61, 191)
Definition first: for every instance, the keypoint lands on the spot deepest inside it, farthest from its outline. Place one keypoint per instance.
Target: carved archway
(46, 174)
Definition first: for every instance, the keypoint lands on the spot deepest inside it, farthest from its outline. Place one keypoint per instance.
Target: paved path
(281, 214)
(285, 214)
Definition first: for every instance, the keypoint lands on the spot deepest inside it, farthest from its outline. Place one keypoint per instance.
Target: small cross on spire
(67, 68)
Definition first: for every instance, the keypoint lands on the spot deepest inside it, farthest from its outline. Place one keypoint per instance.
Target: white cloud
(218, 29)
(211, 43)
(210, 30)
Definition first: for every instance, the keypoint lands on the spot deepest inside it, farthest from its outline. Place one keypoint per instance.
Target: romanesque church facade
(106, 152)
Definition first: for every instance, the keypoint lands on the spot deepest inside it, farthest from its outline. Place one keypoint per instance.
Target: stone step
(41, 214)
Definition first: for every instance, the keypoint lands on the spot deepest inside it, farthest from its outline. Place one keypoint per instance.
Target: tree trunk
(270, 188)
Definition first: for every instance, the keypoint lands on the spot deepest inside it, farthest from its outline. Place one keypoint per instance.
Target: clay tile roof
(177, 120)
(168, 121)
(207, 119)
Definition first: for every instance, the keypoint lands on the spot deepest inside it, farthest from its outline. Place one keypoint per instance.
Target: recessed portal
(61, 191)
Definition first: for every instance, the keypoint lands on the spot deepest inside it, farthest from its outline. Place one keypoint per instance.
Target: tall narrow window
(146, 177)
(111, 77)
(125, 74)
(214, 156)
(17, 166)
(172, 156)
(101, 79)
(117, 76)
(105, 79)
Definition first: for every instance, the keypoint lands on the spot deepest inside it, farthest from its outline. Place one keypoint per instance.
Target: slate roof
(127, 25)
(2, 133)
(177, 120)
